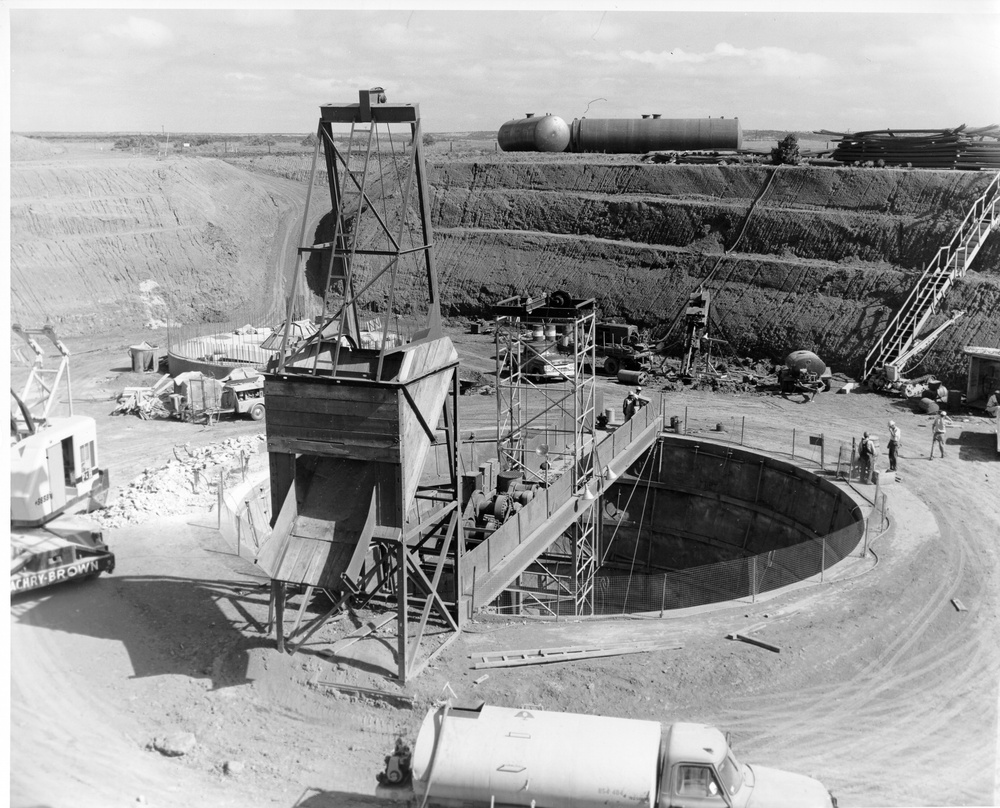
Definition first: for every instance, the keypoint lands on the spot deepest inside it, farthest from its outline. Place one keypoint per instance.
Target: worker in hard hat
(895, 441)
(630, 405)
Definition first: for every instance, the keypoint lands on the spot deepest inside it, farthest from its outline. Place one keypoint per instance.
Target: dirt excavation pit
(882, 688)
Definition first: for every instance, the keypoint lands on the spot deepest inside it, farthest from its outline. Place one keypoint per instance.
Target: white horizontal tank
(557, 760)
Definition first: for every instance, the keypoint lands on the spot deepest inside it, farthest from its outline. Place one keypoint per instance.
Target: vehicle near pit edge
(483, 756)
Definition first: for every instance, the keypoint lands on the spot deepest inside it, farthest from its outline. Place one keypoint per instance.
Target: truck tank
(499, 755)
(653, 133)
(547, 133)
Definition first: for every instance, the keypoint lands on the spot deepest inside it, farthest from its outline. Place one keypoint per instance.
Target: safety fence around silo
(238, 340)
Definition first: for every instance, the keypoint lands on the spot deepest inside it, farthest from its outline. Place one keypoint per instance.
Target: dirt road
(882, 689)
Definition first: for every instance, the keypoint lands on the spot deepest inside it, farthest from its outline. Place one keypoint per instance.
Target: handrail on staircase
(985, 206)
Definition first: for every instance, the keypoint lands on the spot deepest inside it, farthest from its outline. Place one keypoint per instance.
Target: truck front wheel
(257, 412)
(611, 366)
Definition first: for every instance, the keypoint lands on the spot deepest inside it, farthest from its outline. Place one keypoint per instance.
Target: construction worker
(866, 458)
(895, 440)
(630, 405)
(993, 404)
(939, 428)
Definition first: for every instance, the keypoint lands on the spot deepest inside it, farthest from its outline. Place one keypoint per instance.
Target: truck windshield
(731, 774)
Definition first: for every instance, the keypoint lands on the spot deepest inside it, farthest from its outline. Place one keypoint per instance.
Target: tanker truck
(486, 757)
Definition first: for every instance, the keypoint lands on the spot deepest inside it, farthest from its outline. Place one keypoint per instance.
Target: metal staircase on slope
(895, 347)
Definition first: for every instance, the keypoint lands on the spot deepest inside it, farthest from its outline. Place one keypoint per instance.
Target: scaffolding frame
(376, 193)
(551, 412)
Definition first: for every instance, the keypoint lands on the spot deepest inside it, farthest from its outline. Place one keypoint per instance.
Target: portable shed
(144, 357)
(984, 375)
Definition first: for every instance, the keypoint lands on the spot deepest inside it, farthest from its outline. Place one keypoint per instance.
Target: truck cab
(699, 770)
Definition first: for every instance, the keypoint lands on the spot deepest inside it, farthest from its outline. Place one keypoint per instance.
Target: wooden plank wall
(337, 419)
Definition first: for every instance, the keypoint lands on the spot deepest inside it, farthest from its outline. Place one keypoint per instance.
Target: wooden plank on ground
(357, 634)
(365, 691)
(752, 641)
(568, 649)
(542, 658)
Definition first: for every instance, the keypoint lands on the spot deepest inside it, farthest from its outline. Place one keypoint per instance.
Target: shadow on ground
(168, 625)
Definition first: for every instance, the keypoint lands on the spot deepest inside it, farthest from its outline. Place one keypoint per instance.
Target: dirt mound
(140, 241)
(29, 148)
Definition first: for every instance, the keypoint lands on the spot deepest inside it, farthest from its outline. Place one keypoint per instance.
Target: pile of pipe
(921, 148)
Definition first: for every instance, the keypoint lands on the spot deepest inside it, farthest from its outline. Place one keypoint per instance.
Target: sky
(243, 69)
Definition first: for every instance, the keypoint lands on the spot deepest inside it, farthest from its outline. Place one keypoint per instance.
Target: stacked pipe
(922, 148)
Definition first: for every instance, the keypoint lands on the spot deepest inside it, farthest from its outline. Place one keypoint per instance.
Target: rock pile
(189, 481)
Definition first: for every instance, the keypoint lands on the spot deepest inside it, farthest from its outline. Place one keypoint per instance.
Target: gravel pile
(190, 480)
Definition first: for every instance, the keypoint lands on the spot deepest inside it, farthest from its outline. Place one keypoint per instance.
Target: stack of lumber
(948, 148)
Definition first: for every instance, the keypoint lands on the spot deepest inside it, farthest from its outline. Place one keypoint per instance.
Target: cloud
(763, 61)
(240, 77)
(142, 32)
(262, 17)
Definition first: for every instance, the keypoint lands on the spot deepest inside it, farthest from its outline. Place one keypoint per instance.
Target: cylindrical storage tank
(547, 133)
(805, 360)
(498, 755)
(640, 135)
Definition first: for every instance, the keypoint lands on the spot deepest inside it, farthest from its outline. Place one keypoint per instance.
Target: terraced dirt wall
(826, 257)
(99, 243)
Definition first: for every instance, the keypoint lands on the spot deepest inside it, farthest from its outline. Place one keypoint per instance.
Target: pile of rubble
(190, 396)
(189, 481)
(146, 402)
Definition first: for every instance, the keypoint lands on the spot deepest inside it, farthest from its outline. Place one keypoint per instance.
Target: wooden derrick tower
(362, 396)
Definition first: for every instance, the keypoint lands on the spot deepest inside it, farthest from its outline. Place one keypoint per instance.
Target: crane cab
(55, 469)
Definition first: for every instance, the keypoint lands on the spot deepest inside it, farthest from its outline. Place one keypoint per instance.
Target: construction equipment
(55, 475)
(621, 347)
(352, 420)
(244, 396)
(481, 755)
(889, 377)
(538, 356)
(696, 329)
(805, 373)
